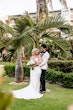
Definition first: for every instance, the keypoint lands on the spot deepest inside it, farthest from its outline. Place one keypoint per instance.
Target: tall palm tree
(21, 32)
(43, 12)
(22, 28)
(42, 9)
(70, 41)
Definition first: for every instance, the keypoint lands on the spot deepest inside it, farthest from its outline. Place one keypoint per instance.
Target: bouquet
(31, 63)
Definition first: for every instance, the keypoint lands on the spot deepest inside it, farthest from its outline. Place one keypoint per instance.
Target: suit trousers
(42, 80)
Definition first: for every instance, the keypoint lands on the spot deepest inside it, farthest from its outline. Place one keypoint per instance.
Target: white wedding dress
(32, 91)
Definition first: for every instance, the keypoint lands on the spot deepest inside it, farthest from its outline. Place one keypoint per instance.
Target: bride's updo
(35, 51)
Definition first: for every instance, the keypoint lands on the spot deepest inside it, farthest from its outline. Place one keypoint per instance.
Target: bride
(32, 91)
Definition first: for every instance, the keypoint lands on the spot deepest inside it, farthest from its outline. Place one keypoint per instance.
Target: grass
(58, 99)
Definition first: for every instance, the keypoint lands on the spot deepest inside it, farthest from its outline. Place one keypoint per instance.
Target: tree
(69, 40)
(42, 9)
(43, 14)
(36, 32)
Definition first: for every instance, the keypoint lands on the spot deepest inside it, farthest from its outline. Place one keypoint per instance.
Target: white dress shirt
(44, 63)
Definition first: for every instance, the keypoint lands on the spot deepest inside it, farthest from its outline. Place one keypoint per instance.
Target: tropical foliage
(6, 99)
(27, 32)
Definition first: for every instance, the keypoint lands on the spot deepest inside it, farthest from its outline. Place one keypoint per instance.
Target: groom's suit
(44, 65)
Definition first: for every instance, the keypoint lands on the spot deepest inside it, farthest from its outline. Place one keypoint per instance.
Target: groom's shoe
(44, 91)
(41, 91)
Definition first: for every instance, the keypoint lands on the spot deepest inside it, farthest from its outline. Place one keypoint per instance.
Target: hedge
(10, 69)
(58, 77)
(53, 76)
(65, 66)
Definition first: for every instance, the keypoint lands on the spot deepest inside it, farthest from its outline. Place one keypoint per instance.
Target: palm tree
(69, 40)
(35, 32)
(42, 9)
(4, 38)
(23, 26)
(21, 33)
(43, 13)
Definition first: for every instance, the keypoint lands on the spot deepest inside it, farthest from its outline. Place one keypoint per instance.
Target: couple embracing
(37, 75)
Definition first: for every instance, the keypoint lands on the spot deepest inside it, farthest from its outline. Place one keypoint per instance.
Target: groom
(44, 65)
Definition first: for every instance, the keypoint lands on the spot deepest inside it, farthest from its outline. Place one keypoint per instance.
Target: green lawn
(58, 99)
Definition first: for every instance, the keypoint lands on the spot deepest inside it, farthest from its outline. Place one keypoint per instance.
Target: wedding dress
(32, 91)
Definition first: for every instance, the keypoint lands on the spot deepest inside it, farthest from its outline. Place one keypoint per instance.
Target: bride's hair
(35, 49)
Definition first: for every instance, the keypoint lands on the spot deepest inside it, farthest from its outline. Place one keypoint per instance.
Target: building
(67, 14)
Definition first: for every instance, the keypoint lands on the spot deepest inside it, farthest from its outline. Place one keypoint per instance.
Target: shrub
(60, 65)
(68, 80)
(10, 69)
(54, 76)
(6, 99)
(58, 77)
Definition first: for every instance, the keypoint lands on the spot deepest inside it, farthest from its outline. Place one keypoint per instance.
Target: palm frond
(6, 99)
(61, 43)
(6, 29)
(64, 3)
(53, 22)
(22, 22)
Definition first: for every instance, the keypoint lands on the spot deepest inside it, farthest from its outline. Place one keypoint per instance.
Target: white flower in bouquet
(31, 62)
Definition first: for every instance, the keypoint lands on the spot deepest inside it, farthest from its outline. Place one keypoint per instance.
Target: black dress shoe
(43, 91)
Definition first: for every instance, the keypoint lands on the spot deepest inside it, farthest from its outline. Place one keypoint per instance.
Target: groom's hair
(43, 45)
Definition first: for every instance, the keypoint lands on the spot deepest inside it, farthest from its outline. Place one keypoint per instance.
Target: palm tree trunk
(42, 10)
(71, 47)
(42, 14)
(19, 68)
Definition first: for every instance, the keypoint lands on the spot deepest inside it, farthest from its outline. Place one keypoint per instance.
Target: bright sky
(14, 7)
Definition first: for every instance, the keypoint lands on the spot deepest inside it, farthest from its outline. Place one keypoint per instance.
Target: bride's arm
(39, 60)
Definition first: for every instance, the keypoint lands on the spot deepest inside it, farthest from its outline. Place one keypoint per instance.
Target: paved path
(1, 70)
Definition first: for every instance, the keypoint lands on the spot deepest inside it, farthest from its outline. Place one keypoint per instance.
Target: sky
(15, 7)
